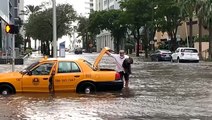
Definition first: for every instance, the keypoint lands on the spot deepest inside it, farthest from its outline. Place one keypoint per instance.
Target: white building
(9, 14)
(89, 6)
(104, 38)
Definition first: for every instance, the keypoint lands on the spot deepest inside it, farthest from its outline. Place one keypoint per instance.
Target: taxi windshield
(29, 67)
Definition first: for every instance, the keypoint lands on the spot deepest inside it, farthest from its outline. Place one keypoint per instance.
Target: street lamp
(54, 29)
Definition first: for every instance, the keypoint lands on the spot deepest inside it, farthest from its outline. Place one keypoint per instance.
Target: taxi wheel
(87, 88)
(6, 89)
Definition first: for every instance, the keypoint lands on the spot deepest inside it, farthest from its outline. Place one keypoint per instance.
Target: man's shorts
(125, 75)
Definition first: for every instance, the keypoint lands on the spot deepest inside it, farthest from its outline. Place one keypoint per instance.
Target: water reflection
(63, 105)
(157, 91)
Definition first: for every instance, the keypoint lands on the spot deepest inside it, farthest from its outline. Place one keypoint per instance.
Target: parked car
(63, 75)
(183, 54)
(78, 50)
(161, 55)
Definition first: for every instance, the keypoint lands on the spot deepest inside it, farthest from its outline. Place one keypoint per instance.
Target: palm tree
(208, 19)
(83, 31)
(200, 14)
(189, 7)
(31, 9)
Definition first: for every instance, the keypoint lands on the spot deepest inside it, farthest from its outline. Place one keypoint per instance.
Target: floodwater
(157, 91)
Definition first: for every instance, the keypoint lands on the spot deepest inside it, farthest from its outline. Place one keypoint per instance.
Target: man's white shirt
(119, 61)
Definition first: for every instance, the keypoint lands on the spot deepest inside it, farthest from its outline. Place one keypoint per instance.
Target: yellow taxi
(61, 74)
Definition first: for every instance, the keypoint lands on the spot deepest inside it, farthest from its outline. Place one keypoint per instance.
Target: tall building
(9, 14)
(89, 6)
(104, 38)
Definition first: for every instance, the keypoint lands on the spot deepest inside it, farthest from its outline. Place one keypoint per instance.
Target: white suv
(185, 54)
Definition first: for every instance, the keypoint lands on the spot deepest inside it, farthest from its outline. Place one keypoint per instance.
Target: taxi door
(67, 76)
(37, 79)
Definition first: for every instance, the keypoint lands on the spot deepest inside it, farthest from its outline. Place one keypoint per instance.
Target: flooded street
(157, 91)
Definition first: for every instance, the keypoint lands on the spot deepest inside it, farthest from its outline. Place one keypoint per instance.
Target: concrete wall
(205, 47)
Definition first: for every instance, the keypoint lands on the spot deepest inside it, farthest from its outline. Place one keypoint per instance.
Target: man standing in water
(119, 58)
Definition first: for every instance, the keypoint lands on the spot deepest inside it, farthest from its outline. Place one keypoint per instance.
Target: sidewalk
(35, 56)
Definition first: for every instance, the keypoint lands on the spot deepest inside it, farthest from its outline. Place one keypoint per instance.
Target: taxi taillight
(117, 76)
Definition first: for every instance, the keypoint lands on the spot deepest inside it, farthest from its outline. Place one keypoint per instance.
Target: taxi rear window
(68, 67)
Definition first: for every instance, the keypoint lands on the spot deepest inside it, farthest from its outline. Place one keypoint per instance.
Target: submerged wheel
(6, 89)
(86, 88)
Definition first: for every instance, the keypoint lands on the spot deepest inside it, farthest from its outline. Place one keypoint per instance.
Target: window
(68, 67)
(43, 69)
(105, 2)
(74, 68)
(112, 7)
(189, 50)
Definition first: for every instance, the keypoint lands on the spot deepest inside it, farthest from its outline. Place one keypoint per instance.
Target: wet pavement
(157, 91)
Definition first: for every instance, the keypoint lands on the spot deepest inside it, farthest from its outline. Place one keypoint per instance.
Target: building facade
(104, 39)
(4, 19)
(89, 6)
(9, 14)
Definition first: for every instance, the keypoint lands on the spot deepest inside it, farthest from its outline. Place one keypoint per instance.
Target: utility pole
(54, 29)
(13, 49)
(12, 29)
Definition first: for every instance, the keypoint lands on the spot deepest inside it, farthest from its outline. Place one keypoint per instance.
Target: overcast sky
(78, 5)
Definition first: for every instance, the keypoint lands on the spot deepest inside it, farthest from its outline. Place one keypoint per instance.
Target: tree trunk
(25, 42)
(137, 47)
(52, 51)
(138, 42)
(173, 42)
(200, 38)
(210, 40)
(190, 32)
(86, 42)
(42, 47)
(145, 42)
(48, 48)
(117, 44)
(29, 42)
(35, 44)
(83, 41)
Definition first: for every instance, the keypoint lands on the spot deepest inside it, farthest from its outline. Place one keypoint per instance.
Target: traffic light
(12, 29)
